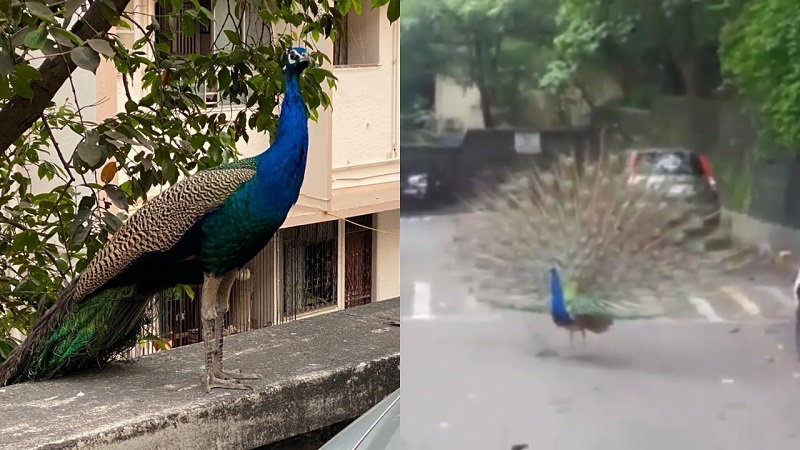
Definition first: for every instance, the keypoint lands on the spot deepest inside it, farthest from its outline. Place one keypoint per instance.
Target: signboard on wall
(527, 143)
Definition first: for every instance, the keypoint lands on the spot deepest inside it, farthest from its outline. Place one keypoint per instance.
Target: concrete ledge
(317, 372)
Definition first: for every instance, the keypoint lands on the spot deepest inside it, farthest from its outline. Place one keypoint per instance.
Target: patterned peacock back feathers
(622, 251)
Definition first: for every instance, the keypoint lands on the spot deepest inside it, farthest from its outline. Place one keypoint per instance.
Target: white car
(376, 429)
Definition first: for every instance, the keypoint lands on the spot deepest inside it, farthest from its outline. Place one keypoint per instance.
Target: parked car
(682, 174)
(376, 429)
(422, 186)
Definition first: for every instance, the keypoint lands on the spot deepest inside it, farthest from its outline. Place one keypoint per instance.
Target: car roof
(661, 150)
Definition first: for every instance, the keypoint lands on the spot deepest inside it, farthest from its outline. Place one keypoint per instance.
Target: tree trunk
(486, 107)
(19, 114)
(481, 80)
(688, 69)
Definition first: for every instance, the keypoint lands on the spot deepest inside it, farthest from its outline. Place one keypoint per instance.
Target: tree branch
(20, 113)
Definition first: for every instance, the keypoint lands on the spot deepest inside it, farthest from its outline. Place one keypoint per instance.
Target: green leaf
(6, 63)
(40, 10)
(89, 152)
(188, 23)
(81, 232)
(21, 82)
(233, 37)
(393, 12)
(85, 58)
(35, 39)
(71, 7)
(356, 6)
(224, 77)
(170, 171)
(111, 221)
(116, 196)
(66, 37)
(101, 46)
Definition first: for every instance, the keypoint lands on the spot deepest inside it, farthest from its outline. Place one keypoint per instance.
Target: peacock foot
(213, 382)
(236, 375)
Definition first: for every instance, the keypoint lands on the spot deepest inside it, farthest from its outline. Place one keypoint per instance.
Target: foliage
(760, 55)
(59, 202)
(494, 45)
(667, 41)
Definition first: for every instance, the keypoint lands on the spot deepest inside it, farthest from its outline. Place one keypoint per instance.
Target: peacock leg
(571, 337)
(211, 285)
(222, 306)
(583, 338)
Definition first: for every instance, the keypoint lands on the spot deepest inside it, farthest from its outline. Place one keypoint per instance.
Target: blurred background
(704, 90)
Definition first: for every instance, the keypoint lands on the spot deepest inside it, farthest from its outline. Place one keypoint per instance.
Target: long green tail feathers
(632, 253)
(75, 335)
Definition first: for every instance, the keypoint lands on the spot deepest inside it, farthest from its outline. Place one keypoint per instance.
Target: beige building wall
(461, 103)
(387, 247)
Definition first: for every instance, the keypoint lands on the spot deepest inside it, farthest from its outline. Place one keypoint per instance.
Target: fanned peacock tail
(623, 251)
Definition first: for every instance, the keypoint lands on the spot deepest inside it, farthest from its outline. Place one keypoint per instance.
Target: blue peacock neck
(281, 168)
(558, 307)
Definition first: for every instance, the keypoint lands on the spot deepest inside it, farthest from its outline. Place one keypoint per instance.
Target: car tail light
(705, 165)
(633, 161)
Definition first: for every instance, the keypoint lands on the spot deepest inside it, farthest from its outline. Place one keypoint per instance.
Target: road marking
(737, 295)
(778, 294)
(422, 301)
(705, 309)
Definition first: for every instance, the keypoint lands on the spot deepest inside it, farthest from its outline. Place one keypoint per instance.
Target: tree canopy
(494, 45)
(761, 57)
(166, 128)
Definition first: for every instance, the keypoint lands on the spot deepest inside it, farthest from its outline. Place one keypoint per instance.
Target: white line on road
(781, 295)
(747, 305)
(421, 304)
(705, 309)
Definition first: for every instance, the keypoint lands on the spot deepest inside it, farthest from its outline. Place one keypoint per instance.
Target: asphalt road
(726, 377)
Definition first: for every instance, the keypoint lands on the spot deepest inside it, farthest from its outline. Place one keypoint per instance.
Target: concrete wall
(158, 402)
(387, 262)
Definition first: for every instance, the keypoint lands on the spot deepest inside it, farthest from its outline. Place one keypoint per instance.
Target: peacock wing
(161, 222)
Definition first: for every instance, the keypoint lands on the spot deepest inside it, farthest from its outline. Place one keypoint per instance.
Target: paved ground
(724, 377)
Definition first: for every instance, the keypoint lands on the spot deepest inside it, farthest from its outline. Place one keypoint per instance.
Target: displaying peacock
(202, 229)
(578, 241)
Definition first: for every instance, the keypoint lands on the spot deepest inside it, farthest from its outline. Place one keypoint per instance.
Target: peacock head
(297, 59)
(556, 267)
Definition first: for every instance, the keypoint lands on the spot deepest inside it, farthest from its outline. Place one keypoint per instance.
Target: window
(359, 43)
(358, 262)
(309, 268)
(182, 44)
(207, 39)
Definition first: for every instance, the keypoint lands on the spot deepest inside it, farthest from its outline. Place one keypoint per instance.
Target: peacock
(203, 229)
(575, 238)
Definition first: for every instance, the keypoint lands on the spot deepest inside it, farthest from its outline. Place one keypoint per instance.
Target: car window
(668, 163)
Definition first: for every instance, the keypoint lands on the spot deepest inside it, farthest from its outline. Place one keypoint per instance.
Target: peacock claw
(214, 382)
(236, 375)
